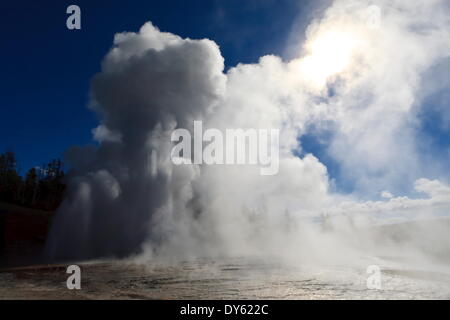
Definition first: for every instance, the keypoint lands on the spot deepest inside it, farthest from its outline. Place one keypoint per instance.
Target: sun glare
(329, 54)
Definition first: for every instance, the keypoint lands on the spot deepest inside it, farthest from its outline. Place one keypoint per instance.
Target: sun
(328, 54)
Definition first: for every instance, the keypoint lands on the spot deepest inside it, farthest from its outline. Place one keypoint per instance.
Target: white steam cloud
(358, 83)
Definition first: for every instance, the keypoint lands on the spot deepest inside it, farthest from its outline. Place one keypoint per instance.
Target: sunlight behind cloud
(330, 53)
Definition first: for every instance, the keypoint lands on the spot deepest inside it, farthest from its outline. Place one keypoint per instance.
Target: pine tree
(10, 180)
(31, 187)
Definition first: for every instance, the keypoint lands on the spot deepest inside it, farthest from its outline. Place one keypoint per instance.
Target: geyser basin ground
(227, 279)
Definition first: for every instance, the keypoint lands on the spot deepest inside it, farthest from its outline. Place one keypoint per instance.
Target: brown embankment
(23, 233)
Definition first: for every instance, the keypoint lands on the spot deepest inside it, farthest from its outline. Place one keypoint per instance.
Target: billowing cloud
(358, 81)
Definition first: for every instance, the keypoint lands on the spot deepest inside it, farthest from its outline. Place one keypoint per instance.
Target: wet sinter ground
(228, 279)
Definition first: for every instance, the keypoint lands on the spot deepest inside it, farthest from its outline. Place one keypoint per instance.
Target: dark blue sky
(47, 68)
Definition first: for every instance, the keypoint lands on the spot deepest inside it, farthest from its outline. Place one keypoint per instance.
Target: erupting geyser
(356, 86)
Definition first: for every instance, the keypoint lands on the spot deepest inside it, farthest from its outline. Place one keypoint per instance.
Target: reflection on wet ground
(230, 279)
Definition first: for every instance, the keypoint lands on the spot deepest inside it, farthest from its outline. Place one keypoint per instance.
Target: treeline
(40, 188)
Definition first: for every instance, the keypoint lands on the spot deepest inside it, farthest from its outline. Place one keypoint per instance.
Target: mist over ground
(358, 85)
